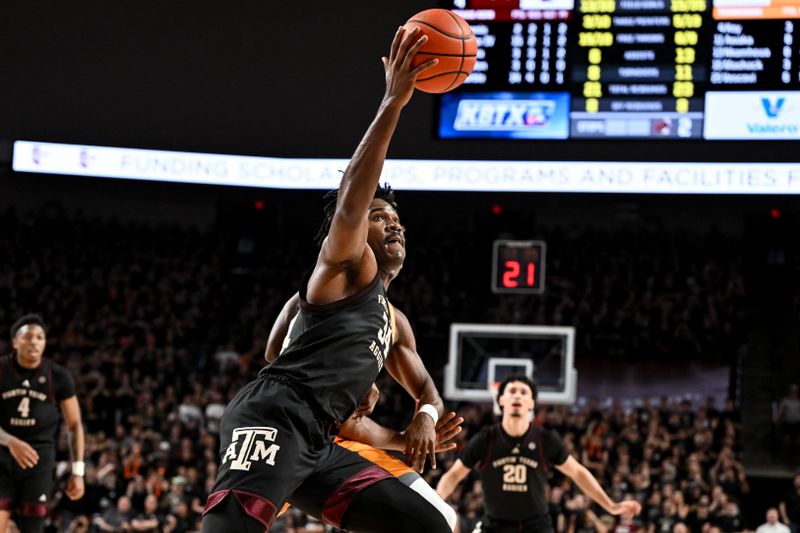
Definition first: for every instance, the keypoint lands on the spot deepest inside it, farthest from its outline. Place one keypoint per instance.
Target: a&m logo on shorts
(251, 444)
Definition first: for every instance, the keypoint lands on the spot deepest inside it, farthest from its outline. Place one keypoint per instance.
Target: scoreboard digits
(656, 69)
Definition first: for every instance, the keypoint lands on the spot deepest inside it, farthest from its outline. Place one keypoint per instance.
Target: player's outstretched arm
(591, 487)
(451, 479)
(345, 249)
(72, 419)
(406, 366)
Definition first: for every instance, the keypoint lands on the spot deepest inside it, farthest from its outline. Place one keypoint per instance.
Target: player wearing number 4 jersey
(32, 391)
(278, 430)
(513, 458)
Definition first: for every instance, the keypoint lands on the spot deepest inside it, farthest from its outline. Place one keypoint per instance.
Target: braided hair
(382, 192)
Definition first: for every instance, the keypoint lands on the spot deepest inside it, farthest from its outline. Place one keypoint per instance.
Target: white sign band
(410, 174)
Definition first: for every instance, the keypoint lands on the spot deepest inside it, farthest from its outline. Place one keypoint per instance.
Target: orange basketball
(451, 40)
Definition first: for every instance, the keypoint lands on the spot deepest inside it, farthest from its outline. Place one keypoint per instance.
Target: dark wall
(202, 206)
(266, 78)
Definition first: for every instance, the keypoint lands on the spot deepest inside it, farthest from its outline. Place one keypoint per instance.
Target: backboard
(482, 355)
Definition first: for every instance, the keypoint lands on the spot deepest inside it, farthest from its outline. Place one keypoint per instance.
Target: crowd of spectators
(160, 326)
(631, 293)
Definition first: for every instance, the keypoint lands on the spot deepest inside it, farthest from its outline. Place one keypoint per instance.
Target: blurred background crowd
(161, 324)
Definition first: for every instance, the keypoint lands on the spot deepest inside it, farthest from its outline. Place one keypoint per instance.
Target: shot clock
(518, 266)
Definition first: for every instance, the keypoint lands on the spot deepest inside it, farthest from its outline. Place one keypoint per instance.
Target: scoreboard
(628, 69)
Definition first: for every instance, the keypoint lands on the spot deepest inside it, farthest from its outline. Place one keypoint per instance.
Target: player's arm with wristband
(72, 418)
(364, 429)
(22, 452)
(406, 367)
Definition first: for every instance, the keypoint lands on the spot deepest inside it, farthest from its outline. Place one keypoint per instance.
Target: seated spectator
(116, 519)
(148, 521)
(772, 525)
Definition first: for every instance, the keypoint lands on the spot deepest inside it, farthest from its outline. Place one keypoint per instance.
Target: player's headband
(23, 323)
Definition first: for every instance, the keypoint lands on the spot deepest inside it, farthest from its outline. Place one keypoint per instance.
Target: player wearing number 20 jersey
(513, 471)
(513, 458)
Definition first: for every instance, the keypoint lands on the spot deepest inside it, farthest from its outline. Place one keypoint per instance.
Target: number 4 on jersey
(24, 407)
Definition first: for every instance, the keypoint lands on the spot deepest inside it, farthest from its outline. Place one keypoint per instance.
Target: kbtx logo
(503, 115)
(251, 444)
(772, 109)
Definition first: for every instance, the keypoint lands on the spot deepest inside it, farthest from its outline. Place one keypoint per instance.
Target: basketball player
(513, 458)
(32, 390)
(368, 498)
(279, 427)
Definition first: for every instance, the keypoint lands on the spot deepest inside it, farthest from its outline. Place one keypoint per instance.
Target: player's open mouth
(394, 244)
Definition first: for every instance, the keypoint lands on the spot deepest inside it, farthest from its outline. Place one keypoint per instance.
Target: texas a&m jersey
(30, 398)
(513, 470)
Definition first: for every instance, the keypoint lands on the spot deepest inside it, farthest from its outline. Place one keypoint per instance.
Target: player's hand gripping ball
(451, 41)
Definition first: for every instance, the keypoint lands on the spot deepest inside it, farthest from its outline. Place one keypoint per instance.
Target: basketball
(451, 41)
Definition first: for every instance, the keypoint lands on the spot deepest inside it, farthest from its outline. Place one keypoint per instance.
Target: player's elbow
(442, 489)
(580, 473)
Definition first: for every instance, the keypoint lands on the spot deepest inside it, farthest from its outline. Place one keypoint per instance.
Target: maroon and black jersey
(334, 352)
(513, 469)
(29, 399)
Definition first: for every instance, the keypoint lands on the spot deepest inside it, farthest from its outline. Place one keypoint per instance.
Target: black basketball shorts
(270, 441)
(27, 490)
